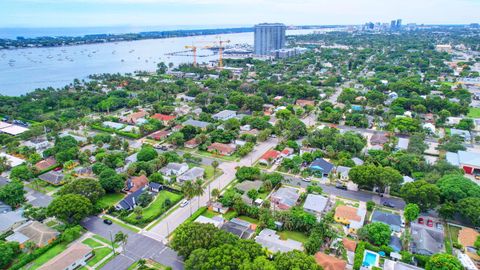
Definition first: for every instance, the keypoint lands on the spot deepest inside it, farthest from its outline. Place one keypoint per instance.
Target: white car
(306, 179)
(184, 203)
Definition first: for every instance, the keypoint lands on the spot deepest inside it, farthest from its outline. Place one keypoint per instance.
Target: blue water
(370, 259)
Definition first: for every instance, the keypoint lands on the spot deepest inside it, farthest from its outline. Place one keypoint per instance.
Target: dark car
(388, 204)
(107, 221)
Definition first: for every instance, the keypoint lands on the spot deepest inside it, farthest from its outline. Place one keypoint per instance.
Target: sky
(95, 13)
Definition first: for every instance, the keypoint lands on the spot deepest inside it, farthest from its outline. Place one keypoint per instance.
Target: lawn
(209, 214)
(150, 264)
(474, 113)
(100, 253)
(47, 256)
(249, 219)
(123, 224)
(230, 214)
(233, 157)
(297, 236)
(109, 199)
(91, 243)
(209, 172)
(155, 209)
(101, 239)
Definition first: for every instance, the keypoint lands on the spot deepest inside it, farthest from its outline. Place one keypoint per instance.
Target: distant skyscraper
(269, 37)
(393, 25)
(399, 24)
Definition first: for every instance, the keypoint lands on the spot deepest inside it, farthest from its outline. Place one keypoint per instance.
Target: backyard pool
(370, 259)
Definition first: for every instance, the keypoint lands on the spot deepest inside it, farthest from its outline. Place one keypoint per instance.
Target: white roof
(13, 130)
(315, 203)
(207, 220)
(14, 161)
(270, 240)
(466, 261)
(463, 158)
(4, 124)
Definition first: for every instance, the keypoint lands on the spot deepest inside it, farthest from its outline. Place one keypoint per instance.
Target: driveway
(138, 246)
(36, 198)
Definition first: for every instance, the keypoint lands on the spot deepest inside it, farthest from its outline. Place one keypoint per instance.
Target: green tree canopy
(70, 208)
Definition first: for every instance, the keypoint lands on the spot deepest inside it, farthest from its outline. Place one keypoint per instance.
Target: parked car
(306, 180)
(341, 186)
(439, 226)
(420, 221)
(107, 221)
(184, 203)
(429, 223)
(388, 204)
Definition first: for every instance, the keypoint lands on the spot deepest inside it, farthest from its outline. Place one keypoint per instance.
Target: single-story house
(74, 257)
(221, 148)
(315, 204)
(285, 198)
(218, 207)
(134, 117)
(52, 177)
(430, 127)
(35, 232)
(402, 144)
(174, 168)
(392, 220)
(192, 143)
(246, 186)
(270, 240)
(192, 174)
(80, 139)
(407, 179)
(114, 125)
(287, 152)
(217, 221)
(177, 128)
(130, 201)
(13, 130)
(37, 144)
(468, 161)
(397, 265)
(378, 139)
(395, 243)
(224, 115)
(304, 102)
(426, 241)
(165, 119)
(196, 123)
(342, 172)
(135, 183)
(328, 262)
(159, 135)
(11, 220)
(83, 171)
(45, 164)
(321, 167)
(352, 217)
(465, 134)
(270, 157)
(155, 187)
(467, 238)
(357, 161)
(240, 228)
(350, 246)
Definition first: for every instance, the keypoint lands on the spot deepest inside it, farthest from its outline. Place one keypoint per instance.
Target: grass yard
(91, 243)
(151, 264)
(297, 236)
(230, 214)
(249, 219)
(474, 113)
(47, 256)
(105, 241)
(209, 172)
(209, 214)
(155, 209)
(109, 199)
(233, 157)
(100, 253)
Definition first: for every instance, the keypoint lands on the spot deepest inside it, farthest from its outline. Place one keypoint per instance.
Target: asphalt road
(138, 246)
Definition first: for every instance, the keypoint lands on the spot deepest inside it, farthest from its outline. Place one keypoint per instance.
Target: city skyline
(89, 13)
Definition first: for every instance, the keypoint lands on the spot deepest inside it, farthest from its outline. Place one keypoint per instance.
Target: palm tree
(30, 247)
(199, 191)
(188, 190)
(121, 238)
(215, 166)
(215, 193)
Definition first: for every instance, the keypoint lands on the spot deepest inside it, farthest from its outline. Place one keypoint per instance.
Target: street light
(111, 241)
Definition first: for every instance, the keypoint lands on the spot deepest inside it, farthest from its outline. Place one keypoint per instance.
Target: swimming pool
(370, 259)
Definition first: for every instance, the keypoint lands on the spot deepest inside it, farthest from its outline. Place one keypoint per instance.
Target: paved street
(138, 246)
(172, 221)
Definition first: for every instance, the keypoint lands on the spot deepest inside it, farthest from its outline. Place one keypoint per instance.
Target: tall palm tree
(215, 193)
(188, 190)
(199, 191)
(215, 166)
(121, 238)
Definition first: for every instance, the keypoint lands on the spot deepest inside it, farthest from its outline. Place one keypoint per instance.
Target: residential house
(35, 232)
(240, 228)
(177, 128)
(342, 172)
(192, 174)
(4, 181)
(52, 177)
(159, 135)
(83, 171)
(378, 139)
(402, 144)
(429, 127)
(155, 187)
(304, 102)
(352, 217)
(134, 117)
(182, 110)
(193, 143)
(468, 161)
(270, 157)
(426, 241)
(82, 140)
(165, 119)
(392, 220)
(221, 148)
(246, 186)
(74, 257)
(5, 207)
(135, 183)
(174, 168)
(130, 201)
(11, 220)
(467, 238)
(453, 121)
(37, 144)
(466, 261)
(224, 115)
(285, 198)
(350, 246)
(464, 134)
(315, 204)
(270, 240)
(321, 167)
(113, 125)
(216, 221)
(397, 265)
(198, 124)
(287, 151)
(268, 109)
(328, 262)
(218, 208)
(45, 164)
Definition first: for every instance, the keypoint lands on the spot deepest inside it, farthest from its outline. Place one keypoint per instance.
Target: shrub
(358, 259)
(370, 205)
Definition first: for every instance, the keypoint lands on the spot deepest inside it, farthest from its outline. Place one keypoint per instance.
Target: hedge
(358, 259)
(118, 132)
(28, 258)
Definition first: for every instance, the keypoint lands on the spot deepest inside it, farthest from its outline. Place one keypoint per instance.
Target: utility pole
(111, 241)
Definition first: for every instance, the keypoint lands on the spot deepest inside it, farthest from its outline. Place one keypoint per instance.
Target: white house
(174, 169)
(224, 115)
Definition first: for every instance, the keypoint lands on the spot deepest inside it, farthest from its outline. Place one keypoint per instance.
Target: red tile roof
(270, 155)
(163, 117)
(133, 117)
(46, 163)
(350, 245)
(159, 135)
(329, 262)
(224, 149)
(304, 102)
(347, 212)
(138, 182)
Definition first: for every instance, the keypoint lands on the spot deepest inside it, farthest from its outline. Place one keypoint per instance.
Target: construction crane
(220, 51)
(194, 50)
(218, 43)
